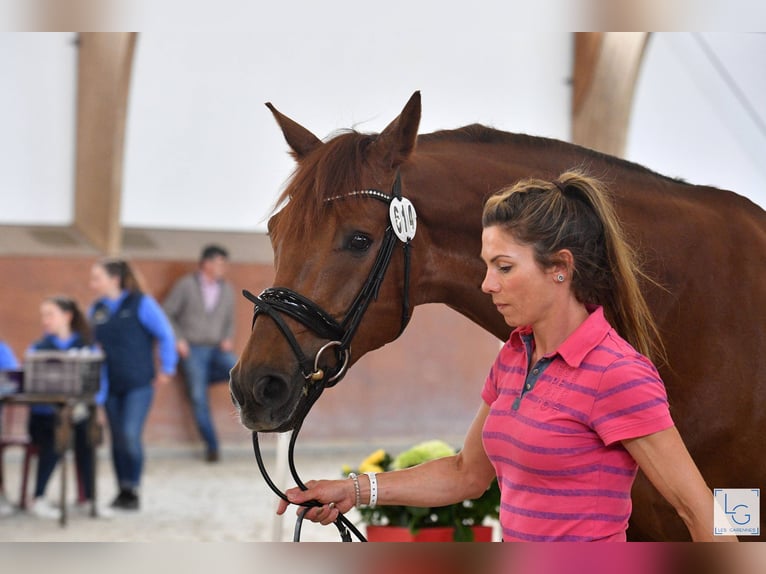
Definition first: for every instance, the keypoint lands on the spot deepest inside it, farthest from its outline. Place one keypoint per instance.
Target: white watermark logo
(737, 511)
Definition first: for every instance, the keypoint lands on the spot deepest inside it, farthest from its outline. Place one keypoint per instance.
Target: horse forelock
(334, 168)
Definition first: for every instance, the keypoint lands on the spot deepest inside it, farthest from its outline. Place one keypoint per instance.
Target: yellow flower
(373, 460)
(370, 468)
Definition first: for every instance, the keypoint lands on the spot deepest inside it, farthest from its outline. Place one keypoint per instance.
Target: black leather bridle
(278, 301)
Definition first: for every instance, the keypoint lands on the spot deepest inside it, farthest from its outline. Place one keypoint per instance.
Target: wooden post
(606, 68)
(103, 82)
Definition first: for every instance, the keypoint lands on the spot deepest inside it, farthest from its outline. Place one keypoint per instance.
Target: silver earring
(560, 277)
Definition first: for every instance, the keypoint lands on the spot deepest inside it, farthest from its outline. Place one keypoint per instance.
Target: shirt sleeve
(490, 391)
(103, 388)
(153, 318)
(631, 401)
(7, 358)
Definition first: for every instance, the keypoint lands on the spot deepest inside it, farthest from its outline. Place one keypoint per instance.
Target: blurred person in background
(126, 324)
(65, 327)
(201, 308)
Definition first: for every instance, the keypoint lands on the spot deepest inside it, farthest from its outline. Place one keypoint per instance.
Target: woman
(572, 406)
(65, 328)
(127, 323)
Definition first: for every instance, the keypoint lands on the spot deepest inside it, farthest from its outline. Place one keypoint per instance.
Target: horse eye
(359, 242)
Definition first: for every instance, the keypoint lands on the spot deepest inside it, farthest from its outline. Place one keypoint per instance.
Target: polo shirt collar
(581, 342)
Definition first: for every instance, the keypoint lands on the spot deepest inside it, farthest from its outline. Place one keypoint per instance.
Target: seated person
(65, 327)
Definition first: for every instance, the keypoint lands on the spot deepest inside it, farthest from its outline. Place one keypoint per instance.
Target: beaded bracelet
(373, 489)
(357, 492)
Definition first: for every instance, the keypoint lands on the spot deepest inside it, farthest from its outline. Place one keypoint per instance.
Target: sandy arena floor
(184, 499)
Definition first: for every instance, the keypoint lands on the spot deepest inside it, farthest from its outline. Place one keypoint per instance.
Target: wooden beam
(606, 67)
(103, 82)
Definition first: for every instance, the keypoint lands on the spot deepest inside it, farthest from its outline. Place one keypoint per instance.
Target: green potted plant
(462, 521)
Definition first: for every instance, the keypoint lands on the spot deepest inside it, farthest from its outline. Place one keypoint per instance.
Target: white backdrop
(204, 153)
(700, 111)
(38, 80)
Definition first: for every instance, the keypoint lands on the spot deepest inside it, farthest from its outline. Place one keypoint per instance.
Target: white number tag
(404, 221)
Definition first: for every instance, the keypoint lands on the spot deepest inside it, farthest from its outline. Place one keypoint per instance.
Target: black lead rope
(276, 301)
(342, 523)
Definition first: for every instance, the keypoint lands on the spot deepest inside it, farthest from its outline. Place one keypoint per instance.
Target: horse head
(333, 300)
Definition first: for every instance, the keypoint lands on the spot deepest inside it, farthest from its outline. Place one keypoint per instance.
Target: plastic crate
(75, 372)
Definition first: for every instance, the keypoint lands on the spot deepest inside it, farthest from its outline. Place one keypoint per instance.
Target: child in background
(65, 327)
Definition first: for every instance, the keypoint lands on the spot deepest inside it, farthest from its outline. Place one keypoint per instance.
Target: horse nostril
(271, 391)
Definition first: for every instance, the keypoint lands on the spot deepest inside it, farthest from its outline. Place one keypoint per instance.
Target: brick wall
(425, 384)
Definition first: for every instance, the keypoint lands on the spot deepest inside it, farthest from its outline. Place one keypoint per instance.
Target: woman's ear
(563, 265)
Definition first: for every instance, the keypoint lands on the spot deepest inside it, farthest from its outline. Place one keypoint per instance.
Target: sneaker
(43, 509)
(126, 500)
(6, 508)
(84, 509)
(117, 500)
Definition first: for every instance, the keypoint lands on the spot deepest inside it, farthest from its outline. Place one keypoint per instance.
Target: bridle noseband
(278, 301)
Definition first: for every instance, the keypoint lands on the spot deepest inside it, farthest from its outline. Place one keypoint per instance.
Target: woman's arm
(663, 458)
(7, 358)
(155, 321)
(439, 482)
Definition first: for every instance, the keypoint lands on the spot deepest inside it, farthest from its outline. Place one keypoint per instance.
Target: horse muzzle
(266, 402)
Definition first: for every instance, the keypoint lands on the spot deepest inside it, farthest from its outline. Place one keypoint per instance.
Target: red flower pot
(435, 534)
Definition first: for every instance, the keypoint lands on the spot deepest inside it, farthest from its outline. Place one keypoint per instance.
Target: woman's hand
(162, 379)
(434, 483)
(336, 496)
(182, 347)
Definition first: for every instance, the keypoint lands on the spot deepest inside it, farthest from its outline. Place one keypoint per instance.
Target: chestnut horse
(705, 247)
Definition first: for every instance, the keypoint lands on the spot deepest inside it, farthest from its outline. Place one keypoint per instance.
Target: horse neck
(448, 182)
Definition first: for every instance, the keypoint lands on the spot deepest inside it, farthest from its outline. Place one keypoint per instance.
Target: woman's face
(521, 291)
(103, 284)
(54, 320)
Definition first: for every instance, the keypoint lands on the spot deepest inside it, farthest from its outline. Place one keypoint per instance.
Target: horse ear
(300, 140)
(395, 143)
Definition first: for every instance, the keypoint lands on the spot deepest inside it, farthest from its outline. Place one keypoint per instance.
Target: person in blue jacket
(8, 361)
(126, 324)
(65, 327)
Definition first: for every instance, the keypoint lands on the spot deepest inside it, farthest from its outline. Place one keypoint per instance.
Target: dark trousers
(42, 431)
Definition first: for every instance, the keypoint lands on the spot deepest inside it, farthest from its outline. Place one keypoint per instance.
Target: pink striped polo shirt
(563, 472)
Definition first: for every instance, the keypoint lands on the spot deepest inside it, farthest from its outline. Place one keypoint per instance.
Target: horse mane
(334, 168)
(478, 133)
